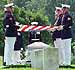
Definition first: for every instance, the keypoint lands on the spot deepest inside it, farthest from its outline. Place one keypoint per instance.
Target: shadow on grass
(29, 66)
(16, 66)
(69, 66)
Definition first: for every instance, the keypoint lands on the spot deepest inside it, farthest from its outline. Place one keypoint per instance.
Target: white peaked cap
(56, 13)
(8, 5)
(58, 8)
(64, 5)
(34, 23)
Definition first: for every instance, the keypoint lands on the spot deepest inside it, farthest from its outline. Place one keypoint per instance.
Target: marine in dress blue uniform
(57, 34)
(18, 46)
(19, 40)
(10, 34)
(66, 34)
(34, 35)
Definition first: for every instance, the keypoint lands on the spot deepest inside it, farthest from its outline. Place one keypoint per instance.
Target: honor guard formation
(62, 35)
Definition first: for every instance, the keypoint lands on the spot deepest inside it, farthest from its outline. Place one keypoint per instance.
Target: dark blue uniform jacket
(67, 23)
(9, 25)
(19, 41)
(57, 34)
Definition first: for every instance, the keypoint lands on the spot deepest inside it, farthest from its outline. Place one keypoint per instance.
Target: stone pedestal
(45, 59)
(34, 47)
(50, 59)
(37, 59)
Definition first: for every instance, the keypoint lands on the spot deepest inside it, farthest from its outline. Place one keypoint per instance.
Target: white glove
(17, 23)
(20, 25)
(21, 49)
(52, 29)
(60, 28)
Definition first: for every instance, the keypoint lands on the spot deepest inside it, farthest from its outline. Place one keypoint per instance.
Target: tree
(35, 10)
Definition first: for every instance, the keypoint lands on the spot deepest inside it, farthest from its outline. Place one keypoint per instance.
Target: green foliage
(27, 11)
(27, 16)
(73, 44)
(1, 29)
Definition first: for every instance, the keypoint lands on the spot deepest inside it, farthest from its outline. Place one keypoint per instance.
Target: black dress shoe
(61, 66)
(4, 63)
(67, 66)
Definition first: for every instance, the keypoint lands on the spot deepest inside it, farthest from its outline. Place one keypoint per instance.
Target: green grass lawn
(1, 60)
(16, 69)
(23, 67)
(31, 69)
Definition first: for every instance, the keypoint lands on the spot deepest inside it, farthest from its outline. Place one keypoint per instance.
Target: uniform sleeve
(68, 22)
(6, 22)
(4, 26)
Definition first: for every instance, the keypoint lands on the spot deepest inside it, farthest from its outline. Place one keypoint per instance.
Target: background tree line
(41, 11)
